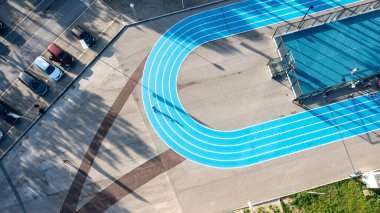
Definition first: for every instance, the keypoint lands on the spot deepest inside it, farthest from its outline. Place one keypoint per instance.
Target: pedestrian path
(254, 144)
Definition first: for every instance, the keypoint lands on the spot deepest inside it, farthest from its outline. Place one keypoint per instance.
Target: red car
(59, 55)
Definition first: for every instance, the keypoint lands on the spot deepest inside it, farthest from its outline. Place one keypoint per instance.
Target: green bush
(274, 209)
(247, 211)
(344, 196)
(285, 207)
(261, 210)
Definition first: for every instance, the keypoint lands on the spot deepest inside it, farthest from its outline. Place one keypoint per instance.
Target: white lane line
(303, 127)
(278, 149)
(297, 136)
(170, 94)
(307, 141)
(329, 127)
(203, 23)
(191, 43)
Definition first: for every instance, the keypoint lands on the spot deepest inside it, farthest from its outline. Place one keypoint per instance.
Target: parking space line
(118, 30)
(13, 29)
(29, 67)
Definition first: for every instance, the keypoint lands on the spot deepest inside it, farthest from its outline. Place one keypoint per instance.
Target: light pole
(336, 124)
(183, 5)
(310, 7)
(133, 8)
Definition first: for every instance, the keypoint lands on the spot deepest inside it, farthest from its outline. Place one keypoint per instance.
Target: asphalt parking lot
(27, 36)
(30, 37)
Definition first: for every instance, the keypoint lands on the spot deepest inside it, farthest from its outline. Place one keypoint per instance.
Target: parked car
(33, 83)
(84, 36)
(49, 69)
(1, 134)
(7, 115)
(59, 55)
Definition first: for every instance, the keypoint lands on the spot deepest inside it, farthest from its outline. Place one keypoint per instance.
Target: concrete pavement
(240, 94)
(146, 9)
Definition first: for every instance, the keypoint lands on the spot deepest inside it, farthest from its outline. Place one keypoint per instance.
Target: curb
(174, 13)
(287, 195)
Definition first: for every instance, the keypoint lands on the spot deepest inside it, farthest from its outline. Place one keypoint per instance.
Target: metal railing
(343, 12)
(278, 66)
(281, 65)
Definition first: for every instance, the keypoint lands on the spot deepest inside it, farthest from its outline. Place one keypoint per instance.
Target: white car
(49, 69)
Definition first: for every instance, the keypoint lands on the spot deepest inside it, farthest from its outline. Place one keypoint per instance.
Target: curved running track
(254, 144)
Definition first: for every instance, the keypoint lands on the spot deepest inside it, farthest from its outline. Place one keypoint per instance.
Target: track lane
(193, 140)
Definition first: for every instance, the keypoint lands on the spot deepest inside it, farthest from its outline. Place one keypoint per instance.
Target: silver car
(49, 69)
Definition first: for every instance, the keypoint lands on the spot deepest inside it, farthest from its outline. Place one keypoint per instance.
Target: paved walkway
(128, 183)
(72, 198)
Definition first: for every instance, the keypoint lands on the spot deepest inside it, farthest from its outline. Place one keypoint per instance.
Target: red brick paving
(131, 181)
(72, 198)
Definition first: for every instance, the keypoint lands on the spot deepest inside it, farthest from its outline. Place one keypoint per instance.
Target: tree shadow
(4, 51)
(71, 123)
(15, 38)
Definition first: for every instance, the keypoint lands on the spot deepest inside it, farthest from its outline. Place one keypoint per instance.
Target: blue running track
(254, 144)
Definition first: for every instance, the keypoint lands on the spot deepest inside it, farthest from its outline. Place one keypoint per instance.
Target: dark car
(83, 36)
(59, 55)
(7, 115)
(35, 85)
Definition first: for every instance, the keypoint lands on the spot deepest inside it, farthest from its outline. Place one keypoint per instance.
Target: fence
(281, 65)
(285, 66)
(343, 12)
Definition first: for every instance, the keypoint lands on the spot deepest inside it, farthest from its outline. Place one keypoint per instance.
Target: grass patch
(344, 196)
